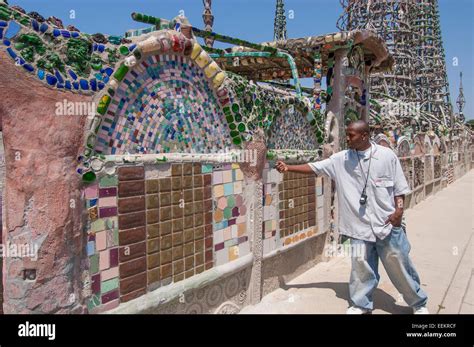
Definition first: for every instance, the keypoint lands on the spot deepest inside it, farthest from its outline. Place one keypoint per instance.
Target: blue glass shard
(51, 80)
(84, 84)
(72, 74)
(43, 27)
(58, 76)
(35, 25)
(13, 29)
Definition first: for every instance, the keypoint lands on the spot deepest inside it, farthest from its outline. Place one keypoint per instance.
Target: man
(371, 188)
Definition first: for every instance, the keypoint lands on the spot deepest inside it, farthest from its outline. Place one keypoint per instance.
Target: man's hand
(395, 218)
(281, 166)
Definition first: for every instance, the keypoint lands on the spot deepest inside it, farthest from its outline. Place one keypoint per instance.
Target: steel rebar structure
(411, 30)
(392, 20)
(432, 80)
(280, 22)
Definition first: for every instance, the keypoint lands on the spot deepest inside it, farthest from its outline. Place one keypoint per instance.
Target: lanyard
(368, 170)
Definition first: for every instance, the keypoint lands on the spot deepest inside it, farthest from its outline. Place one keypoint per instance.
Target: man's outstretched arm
(303, 168)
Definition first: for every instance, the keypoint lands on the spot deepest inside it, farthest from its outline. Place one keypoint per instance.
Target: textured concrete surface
(41, 149)
(440, 231)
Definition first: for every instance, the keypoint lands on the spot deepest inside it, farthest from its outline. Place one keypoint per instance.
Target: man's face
(355, 138)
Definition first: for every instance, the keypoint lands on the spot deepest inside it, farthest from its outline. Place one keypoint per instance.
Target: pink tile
(110, 273)
(101, 240)
(91, 192)
(108, 202)
(104, 260)
(239, 200)
(227, 234)
(217, 177)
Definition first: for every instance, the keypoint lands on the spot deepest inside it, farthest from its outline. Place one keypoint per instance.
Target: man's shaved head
(361, 126)
(358, 135)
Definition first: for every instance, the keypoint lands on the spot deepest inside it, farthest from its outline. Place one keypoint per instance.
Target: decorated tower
(411, 30)
(460, 102)
(208, 18)
(280, 22)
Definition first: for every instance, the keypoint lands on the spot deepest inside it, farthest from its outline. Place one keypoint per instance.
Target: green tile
(94, 263)
(93, 302)
(109, 285)
(98, 225)
(206, 168)
(108, 181)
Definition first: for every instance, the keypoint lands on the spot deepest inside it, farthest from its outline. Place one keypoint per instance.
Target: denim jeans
(393, 252)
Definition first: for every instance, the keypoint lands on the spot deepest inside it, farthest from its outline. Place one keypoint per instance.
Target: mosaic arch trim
(174, 77)
(60, 58)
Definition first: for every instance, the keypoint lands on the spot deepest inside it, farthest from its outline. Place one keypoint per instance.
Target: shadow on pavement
(382, 300)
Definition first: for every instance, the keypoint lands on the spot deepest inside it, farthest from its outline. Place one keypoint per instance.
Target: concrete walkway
(440, 231)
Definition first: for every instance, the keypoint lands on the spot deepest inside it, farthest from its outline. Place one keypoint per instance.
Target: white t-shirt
(386, 180)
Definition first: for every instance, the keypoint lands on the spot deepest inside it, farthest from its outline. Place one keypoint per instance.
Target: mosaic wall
(419, 170)
(428, 168)
(165, 104)
(407, 168)
(297, 207)
(437, 166)
(150, 227)
(102, 244)
(270, 227)
(291, 131)
(231, 239)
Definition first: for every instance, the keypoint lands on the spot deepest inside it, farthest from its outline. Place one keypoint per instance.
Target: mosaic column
(336, 104)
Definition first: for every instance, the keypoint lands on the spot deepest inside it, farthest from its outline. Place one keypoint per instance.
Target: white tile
(234, 229)
(244, 249)
(218, 236)
(222, 256)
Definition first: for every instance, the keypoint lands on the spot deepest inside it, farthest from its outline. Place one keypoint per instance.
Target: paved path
(440, 231)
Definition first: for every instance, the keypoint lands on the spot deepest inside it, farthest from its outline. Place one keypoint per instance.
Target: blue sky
(253, 20)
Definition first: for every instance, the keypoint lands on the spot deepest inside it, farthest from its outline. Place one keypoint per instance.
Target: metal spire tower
(208, 18)
(432, 79)
(280, 22)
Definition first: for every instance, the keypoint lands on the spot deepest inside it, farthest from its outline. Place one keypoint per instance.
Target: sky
(252, 20)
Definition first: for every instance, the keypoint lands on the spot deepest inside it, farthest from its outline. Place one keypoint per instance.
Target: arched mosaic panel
(382, 140)
(164, 104)
(403, 147)
(291, 130)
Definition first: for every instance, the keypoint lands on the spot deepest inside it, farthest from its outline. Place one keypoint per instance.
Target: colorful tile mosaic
(102, 243)
(164, 104)
(270, 227)
(297, 200)
(291, 131)
(230, 234)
